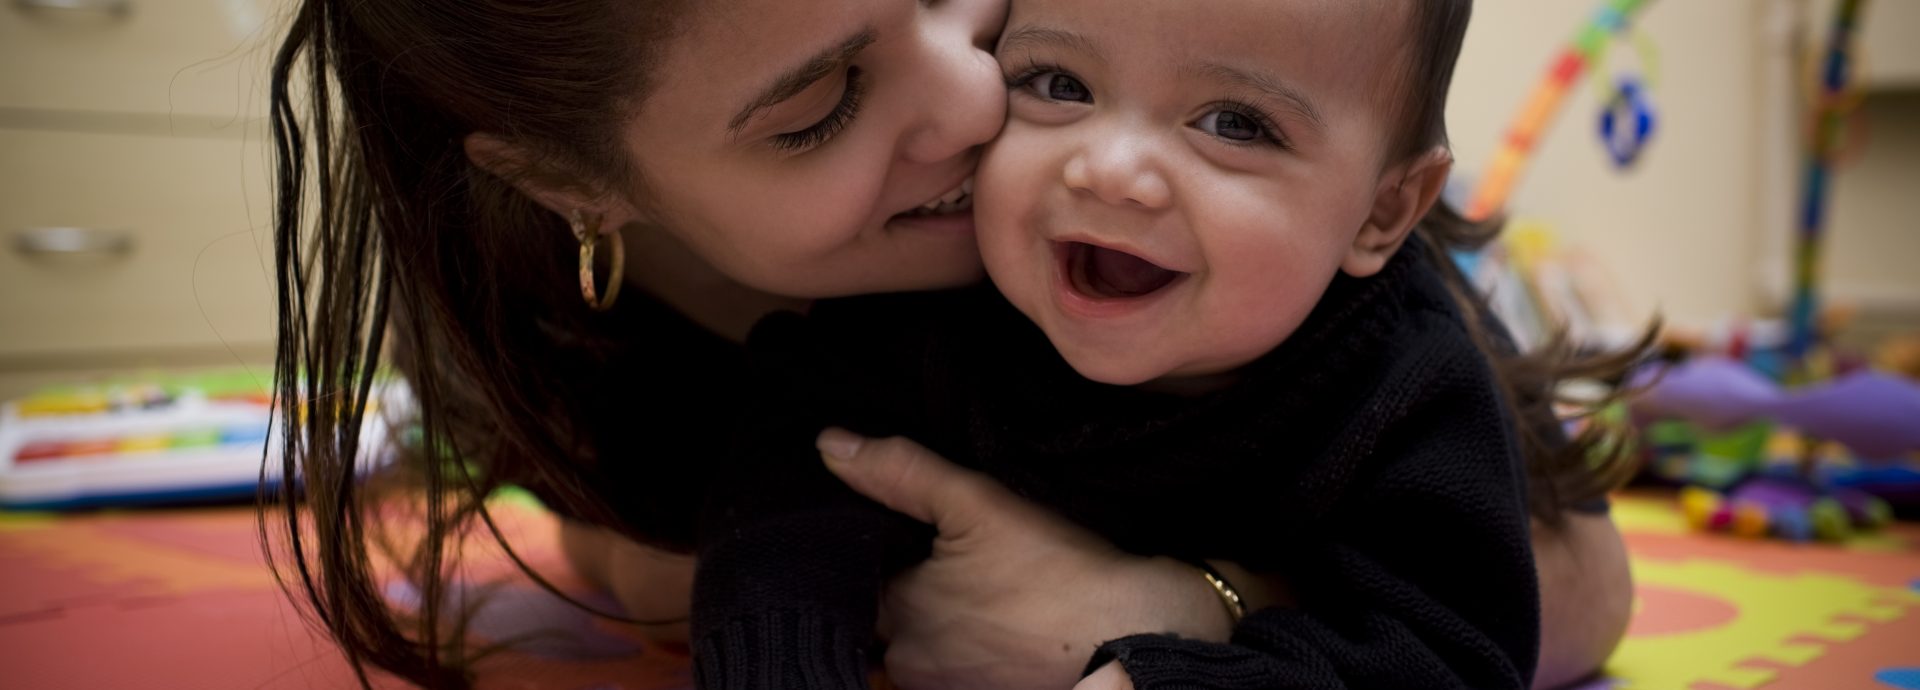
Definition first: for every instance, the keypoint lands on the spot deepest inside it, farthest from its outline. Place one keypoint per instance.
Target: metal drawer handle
(115, 8)
(72, 242)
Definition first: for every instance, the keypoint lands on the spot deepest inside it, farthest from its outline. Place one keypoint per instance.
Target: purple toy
(1714, 392)
(1875, 415)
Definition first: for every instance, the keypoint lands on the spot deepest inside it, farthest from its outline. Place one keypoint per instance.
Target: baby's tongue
(1119, 274)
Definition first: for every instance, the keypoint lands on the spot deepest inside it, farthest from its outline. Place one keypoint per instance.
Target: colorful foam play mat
(180, 599)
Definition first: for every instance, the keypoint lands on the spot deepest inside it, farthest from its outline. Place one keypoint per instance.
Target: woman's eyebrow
(796, 80)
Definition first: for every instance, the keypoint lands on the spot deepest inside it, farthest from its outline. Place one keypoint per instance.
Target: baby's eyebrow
(1031, 37)
(1266, 85)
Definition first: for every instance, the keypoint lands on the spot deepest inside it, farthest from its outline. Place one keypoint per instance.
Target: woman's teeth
(955, 201)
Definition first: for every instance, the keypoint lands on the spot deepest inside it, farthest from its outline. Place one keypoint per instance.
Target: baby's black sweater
(1369, 460)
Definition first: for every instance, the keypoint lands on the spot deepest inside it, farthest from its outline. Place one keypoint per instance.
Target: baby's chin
(1114, 371)
(1124, 367)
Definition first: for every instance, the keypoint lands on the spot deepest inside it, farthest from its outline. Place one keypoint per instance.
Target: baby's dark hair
(1561, 472)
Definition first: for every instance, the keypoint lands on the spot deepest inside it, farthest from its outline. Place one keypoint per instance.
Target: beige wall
(1698, 230)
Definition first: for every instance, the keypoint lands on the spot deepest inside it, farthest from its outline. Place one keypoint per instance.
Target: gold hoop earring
(590, 239)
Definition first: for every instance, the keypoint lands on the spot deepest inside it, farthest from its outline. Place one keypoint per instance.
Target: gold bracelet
(1230, 597)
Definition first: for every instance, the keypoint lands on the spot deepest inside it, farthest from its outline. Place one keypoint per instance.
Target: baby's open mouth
(1110, 274)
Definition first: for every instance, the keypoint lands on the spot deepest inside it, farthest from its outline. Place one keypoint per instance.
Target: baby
(1244, 351)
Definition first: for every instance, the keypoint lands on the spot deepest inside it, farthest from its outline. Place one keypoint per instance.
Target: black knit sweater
(1368, 460)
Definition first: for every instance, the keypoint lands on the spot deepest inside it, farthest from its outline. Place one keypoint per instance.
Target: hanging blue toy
(1627, 123)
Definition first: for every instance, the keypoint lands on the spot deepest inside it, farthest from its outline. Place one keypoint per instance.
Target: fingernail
(838, 445)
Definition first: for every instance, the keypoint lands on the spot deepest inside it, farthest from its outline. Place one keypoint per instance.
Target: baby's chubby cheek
(1006, 208)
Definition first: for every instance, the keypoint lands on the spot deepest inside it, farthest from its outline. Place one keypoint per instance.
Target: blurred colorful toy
(152, 441)
(1897, 485)
(1540, 286)
(1874, 414)
(1836, 101)
(1627, 116)
(1785, 508)
(1589, 46)
(1716, 393)
(1900, 355)
(1712, 420)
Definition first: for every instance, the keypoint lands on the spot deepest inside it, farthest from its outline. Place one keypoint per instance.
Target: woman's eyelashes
(843, 113)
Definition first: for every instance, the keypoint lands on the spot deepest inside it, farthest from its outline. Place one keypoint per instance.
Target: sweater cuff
(1165, 662)
(785, 648)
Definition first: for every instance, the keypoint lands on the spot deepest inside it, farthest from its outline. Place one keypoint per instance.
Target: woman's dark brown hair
(1561, 472)
(391, 244)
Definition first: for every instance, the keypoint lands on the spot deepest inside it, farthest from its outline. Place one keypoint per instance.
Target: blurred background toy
(1588, 48)
(1773, 429)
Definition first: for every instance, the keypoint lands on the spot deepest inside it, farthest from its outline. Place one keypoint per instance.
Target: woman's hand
(1013, 597)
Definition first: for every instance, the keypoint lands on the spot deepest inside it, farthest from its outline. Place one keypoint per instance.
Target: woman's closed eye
(835, 121)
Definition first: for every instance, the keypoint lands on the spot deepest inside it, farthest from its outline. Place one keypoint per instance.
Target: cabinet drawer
(195, 216)
(171, 57)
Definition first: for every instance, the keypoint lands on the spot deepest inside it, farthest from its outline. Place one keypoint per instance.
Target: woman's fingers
(908, 478)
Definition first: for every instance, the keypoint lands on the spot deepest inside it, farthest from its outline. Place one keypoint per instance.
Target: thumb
(1110, 677)
(908, 478)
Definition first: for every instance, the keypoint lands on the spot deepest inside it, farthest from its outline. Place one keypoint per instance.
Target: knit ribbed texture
(777, 648)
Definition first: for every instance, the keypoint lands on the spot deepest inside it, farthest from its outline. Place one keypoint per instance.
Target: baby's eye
(1058, 86)
(1240, 125)
(1230, 125)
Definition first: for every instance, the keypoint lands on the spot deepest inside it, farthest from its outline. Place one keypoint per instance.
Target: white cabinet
(169, 57)
(122, 243)
(135, 200)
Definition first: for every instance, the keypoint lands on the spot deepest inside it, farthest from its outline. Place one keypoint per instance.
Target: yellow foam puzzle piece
(1772, 610)
(1643, 515)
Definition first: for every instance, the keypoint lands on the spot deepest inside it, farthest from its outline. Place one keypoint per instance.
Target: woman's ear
(560, 191)
(1405, 193)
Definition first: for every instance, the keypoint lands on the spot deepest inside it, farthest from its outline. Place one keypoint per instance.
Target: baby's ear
(1405, 193)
